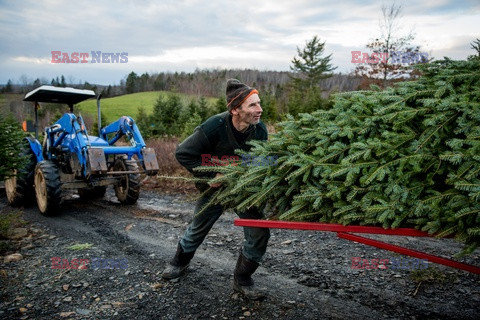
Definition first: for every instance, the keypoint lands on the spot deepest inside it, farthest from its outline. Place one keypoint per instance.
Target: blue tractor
(70, 158)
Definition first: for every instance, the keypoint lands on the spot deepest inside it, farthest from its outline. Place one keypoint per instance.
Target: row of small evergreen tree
(173, 115)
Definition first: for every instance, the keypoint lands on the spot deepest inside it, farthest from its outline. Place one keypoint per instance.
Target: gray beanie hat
(237, 93)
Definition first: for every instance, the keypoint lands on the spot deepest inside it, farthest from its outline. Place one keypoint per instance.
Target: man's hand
(216, 185)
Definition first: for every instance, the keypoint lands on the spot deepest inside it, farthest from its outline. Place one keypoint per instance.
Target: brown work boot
(178, 265)
(242, 279)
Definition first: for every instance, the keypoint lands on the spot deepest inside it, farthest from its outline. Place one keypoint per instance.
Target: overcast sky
(185, 35)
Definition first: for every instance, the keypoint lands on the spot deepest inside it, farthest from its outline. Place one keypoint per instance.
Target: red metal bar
(409, 252)
(343, 232)
(328, 227)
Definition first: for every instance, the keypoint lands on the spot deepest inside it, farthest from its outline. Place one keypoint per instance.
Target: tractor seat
(97, 142)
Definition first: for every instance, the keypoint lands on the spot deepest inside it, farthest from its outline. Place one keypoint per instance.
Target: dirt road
(307, 274)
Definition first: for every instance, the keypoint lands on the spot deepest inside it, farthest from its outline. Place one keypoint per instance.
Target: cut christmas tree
(403, 157)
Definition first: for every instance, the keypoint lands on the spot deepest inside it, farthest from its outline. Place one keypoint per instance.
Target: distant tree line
(211, 83)
(275, 87)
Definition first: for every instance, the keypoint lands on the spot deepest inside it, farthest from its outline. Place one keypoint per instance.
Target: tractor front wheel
(48, 187)
(127, 189)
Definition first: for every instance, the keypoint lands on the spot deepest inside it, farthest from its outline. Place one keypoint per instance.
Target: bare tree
(392, 54)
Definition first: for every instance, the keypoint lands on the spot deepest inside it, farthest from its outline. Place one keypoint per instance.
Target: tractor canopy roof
(53, 94)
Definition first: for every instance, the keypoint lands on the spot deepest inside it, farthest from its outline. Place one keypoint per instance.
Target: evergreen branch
(465, 212)
(434, 131)
(262, 195)
(447, 232)
(378, 171)
(464, 186)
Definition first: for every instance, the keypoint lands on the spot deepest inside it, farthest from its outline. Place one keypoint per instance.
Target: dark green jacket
(214, 137)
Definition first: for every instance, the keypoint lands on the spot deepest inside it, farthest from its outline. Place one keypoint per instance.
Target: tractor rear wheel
(48, 187)
(19, 188)
(127, 189)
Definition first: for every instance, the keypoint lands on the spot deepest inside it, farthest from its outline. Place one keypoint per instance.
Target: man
(220, 136)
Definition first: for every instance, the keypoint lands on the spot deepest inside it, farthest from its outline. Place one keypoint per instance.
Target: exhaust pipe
(99, 116)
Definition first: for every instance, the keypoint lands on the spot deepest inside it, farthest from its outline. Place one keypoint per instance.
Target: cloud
(32, 60)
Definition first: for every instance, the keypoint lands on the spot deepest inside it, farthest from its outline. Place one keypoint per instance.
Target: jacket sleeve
(189, 152)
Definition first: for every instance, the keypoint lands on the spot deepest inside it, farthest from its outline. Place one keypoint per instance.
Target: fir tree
(310, 66)
(9, 87)
(203, 108)
(63, 83)
(103, 123)
(130, 84)
(143, 122)
(220, 106)
(194, 121)
(166, 112)
(10, 146)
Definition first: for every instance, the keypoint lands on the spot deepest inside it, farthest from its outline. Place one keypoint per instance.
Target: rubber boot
(242, 278)
(179, 264)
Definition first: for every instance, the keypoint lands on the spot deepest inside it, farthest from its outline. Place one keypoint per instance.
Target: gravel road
(307, 274)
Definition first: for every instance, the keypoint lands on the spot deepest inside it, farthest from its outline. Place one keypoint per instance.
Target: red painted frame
(344, 232)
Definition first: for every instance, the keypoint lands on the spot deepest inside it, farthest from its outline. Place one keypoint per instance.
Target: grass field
(127, 105)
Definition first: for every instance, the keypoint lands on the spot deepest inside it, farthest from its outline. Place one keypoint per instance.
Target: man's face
(250, 111)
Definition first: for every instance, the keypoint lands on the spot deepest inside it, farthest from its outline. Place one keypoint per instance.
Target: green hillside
(127, 105)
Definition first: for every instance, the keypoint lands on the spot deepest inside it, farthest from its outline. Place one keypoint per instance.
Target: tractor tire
(48, 187)
(128, 189)
(92, 193)
(19, 188)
